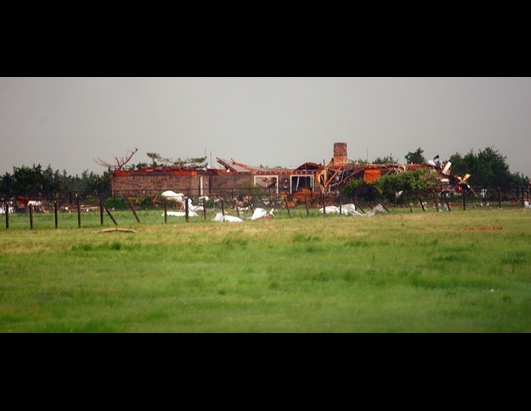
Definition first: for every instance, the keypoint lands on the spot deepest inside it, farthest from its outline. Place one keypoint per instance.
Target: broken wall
(152, 183)
(195, 184)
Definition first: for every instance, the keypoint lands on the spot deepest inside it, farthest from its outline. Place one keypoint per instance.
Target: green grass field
(402, 272)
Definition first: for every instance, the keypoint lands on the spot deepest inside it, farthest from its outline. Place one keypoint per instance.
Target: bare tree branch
(120, 162)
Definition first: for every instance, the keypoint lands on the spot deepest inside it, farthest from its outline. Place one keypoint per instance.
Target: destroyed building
(199, 181)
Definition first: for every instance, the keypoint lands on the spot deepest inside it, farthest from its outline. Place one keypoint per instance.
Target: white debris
(258, 213)
(228, 218)
(330, 209)
(348, 209)
(173, 196)
(3, 211)
(377, 209)
(180, 214)
(261, 213)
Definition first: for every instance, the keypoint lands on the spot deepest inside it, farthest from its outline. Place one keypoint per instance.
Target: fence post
(250, 202)
(435, 201)
(110, 215)
(235, 202)
(101, 211)
(55, 212)
(499, 198)
(186, 209)
(307, 208)
(446, 201)
(165, 211)
(358, 205)
(385, 208)
(30, 207)
(222, 207)
(204, 208)
(78, 214)
(463, 195)
(134, 211)
(7, 215)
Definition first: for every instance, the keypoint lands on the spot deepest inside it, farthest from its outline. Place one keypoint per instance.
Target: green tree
(6, 186)
(487, 169)
(94, 183)
(34, 182)
(520, 179)
(158, 160)
(415, 157)
(359, 161)
(30, 182)
(154, 157)
(386, 160)
(412, 184)
(247, 188)
(359, 188)
(194, 161)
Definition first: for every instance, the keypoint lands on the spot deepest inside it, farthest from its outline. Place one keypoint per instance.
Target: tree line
(36, 182)
(488, 169)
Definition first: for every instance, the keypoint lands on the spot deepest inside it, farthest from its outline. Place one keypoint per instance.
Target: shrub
(247, 188)
(116, 204)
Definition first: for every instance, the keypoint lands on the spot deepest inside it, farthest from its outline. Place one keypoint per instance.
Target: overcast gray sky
(68, 122)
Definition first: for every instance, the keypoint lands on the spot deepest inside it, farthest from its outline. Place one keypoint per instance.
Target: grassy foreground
(448, 272)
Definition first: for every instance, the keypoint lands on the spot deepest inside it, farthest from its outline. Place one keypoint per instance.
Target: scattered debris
(377, 209)
(260, 214)
(181, 213)
(350, 209)
(174, 197)
(228, 218)
(346, 209)
(120, 230)
(3, 211)
(329, 209)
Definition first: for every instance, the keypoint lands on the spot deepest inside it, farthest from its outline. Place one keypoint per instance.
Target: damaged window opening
(300, 182)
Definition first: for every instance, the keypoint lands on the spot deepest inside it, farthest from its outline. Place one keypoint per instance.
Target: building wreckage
(308, 182)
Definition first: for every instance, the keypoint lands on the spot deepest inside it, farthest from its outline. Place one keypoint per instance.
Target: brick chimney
(340, 154)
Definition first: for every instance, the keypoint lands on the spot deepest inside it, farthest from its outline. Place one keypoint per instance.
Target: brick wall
(136, 184)
(153, 183)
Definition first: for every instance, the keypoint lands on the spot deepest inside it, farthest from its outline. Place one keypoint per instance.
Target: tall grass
(459, 271)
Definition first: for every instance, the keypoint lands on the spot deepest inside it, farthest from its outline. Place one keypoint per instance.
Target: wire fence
(258, 196)
(106, 203)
